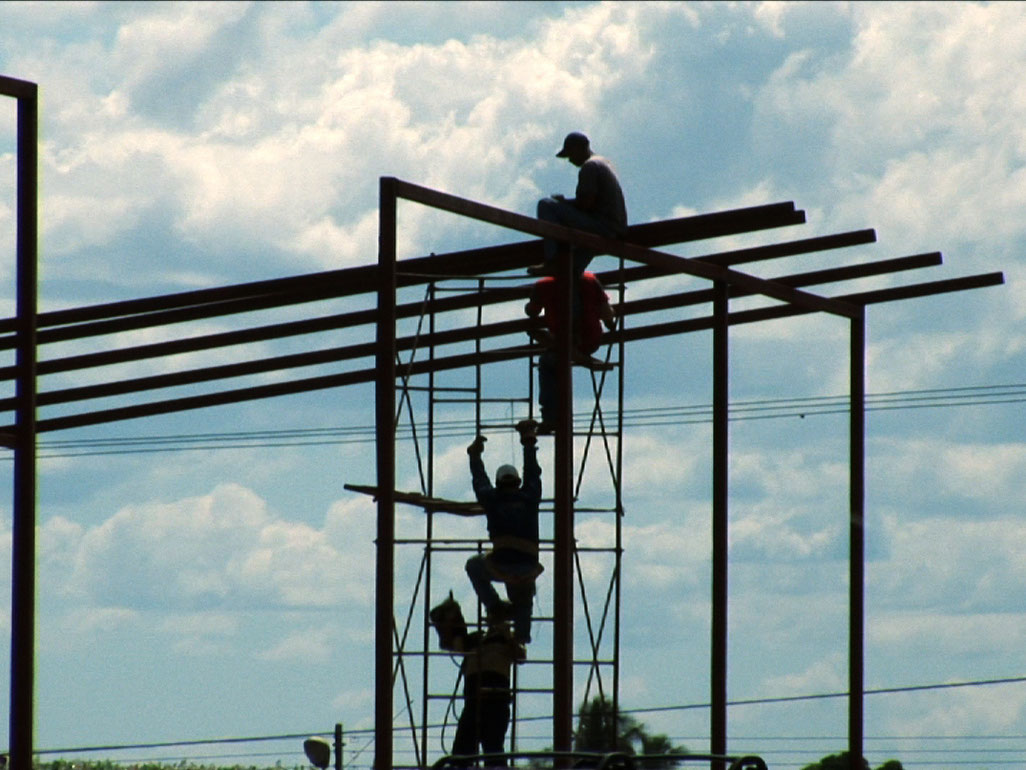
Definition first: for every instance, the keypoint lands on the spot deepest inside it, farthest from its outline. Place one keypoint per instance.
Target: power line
(647, 417)
(645, 710)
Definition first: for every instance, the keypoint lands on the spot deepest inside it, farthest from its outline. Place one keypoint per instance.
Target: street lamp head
(318, 751)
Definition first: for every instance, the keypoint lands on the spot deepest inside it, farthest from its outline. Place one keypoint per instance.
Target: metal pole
(23, 557)
(563, 535)
(856, 617)
(621, 349)
(338, 746)
(718, 646)
(385, 431)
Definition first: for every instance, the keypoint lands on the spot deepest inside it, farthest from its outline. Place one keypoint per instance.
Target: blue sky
(207, 593)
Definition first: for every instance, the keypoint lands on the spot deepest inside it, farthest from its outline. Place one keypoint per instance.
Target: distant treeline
(106, 764)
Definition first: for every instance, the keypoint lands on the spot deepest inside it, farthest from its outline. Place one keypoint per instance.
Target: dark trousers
(485, 717)
(521, 595)
(547, 385)
(567, 214)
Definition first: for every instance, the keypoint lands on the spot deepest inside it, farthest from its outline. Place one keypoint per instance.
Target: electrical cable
(647, 417)
(643, 710)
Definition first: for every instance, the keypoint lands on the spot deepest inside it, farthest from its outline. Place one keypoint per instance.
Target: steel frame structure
(727, 282)
(30, 330)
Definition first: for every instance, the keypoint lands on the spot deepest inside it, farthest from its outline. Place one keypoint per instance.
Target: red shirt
(593, 299)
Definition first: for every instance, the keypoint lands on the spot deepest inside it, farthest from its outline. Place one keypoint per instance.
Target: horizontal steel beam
(463, 334)
(418, 270)
(616, 247)
(17, 89)
(784, 311)
(356, 318)
(492, 356)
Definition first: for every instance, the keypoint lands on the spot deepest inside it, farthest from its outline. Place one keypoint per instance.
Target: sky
(225, 588)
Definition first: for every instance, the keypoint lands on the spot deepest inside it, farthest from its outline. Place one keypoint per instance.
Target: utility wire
(648, 417)
(647, 710)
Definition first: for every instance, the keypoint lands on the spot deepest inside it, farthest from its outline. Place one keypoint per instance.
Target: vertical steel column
(718, 646)
(23, 545)
(563, 536)
(429, 532)
(618, 556)
(856, 616)
(385, 435)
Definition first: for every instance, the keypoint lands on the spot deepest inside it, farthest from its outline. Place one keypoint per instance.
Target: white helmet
(506, 474)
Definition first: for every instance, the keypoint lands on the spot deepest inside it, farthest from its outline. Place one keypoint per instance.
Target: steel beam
(669, 262)
(368, 316)
(23, 534)
(720, 551)
(857, 537)
(355, 377)
(563, 521)
(384, 393)
(419, 270)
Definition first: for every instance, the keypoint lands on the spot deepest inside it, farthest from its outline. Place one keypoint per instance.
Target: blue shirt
(512, 514)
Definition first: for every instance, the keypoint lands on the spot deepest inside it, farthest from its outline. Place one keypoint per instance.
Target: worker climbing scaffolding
(511, 508)
(594, 312)
(488, 657)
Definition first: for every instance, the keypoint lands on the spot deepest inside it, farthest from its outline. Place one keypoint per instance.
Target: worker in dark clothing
(511, 508)
(595, 311)
(598, 206)
(488, 657)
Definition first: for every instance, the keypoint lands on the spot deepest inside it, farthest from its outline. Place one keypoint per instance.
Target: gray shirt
(597, 178)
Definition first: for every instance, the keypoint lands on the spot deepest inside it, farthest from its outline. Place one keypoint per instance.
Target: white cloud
(667, 463)
(222, 550)
(925, 118)
(666, 554)
(976, 480)
(287, 157)
(979, 711)
(201, 634)
(826, 675)
(311, 645)
(968, 566)
(947, 634)
(84, 622)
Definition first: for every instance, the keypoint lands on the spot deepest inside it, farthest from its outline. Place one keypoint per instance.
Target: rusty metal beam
(22, 436)
(720, 526)
(361, 350)
(564, 541)
(652, 331)
(501, 354)
(494, 296)
(384, 420)
(184, 306)
(857, 540)
(599, 244)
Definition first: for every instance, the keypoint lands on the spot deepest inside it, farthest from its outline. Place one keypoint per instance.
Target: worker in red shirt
(591, 310)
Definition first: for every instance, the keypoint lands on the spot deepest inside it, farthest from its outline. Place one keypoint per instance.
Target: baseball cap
(573, 139)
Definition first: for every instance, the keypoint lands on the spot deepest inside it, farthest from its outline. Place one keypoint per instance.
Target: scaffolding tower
(490, 401)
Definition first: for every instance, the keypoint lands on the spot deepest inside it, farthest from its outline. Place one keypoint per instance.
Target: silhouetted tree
(601, 728)
(842, 761)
